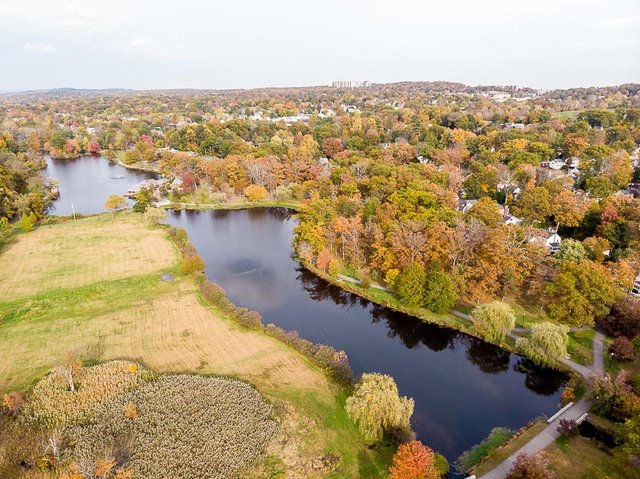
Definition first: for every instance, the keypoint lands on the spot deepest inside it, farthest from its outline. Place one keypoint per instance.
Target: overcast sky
(148, 44)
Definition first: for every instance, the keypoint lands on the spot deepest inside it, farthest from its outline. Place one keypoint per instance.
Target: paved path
(541, 441)
(550, 433)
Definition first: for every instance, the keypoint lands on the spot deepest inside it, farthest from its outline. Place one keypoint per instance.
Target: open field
(96, 249)
(111, 304)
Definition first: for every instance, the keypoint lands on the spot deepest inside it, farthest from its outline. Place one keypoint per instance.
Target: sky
(153, 44)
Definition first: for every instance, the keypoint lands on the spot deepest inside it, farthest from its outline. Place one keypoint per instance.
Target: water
(87, 182)
(462, 386)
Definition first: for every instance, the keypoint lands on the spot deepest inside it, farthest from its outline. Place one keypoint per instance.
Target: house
(556, 164)
(550, 239)
(635, 291)
(574, 162)
(466, 205)
(423, 160)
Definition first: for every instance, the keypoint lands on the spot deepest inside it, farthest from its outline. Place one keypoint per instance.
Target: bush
(192, 264)
(567, 427)
(186, 427)
(622, 349)
(248, 319)
(497, 438)
(530, 467)
(12, 403)
(218, 198)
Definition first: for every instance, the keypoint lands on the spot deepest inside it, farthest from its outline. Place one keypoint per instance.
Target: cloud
(39, 47)
(619, 22)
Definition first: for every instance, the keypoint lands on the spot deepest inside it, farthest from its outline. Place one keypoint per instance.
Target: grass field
(93, 287)
(580, 458)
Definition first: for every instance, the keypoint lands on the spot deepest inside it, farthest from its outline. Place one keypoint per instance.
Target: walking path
(550, 433)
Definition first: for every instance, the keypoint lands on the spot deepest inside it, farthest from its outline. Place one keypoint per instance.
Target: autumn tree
(376, 406)
(534, 204)
(547, 343)
(495, 320)
(413, 460)
(115, 203)
(567, 209)
(255, 193)
(582, 293)
(624, 318)
(410, 285)
(535, 466)
(487, 211)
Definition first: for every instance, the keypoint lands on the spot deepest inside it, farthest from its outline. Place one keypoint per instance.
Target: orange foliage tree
(414, 460)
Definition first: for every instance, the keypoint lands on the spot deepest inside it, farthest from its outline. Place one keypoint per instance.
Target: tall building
(350, 84)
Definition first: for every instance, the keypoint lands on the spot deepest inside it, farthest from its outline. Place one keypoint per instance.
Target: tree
(571, 250)
(143, 199)
(440, 294)
(629, 433)
(155, 215)
(376, 407)
(115, 203)
(624, 318)
(582, 293)
(410, 285)
(413, 460)
(255, 193)
(534, 204)
(622, 349)
(547, 343)
(567, 427)
(495, 320)
(531, 467)
(487, 211)
(567, 209)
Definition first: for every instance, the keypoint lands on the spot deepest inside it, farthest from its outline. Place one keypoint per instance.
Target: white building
(635, 291)
(350, 84)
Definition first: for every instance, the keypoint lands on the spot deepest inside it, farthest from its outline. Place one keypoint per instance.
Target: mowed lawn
(93, 287)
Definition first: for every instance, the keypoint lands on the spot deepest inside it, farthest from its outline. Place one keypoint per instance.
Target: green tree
(582, 293)
(534, 204)
(629, 434)
(548, 342)
(143, 200)
(115, 203)
(26, 223)
(410, 285)
(376, 406)
(495, 320)
(571, 250)
(440, 294)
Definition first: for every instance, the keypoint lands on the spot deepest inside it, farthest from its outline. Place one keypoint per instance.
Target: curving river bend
(462, 386)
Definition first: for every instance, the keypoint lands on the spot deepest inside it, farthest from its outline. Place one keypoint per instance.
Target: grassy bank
(94, 288)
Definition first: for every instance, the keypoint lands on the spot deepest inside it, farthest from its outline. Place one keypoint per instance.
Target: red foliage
(414, 460)
(94, 147)
(147, 140)
(332, 146)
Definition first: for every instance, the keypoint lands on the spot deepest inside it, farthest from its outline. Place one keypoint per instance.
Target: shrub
(26, 223)
(248, 319)
(414, 460)
(568, 395)
(283, 193)
(531, 467)
(622, 349)
(442, 465)
(376, 406)
(567, 427)
(192, 264)
(188, 427)
(13, 402)
(497, 438)
(218, 198)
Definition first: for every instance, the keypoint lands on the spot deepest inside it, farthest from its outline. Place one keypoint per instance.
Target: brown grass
(94, 249)
(171, 333)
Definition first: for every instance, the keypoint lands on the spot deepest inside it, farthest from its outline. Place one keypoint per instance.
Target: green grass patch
(580, 346)
(498, 437)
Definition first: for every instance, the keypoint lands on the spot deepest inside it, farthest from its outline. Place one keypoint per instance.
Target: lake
(462, 386)
(85, 183)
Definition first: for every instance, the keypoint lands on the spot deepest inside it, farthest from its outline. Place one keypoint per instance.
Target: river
(462, 386)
